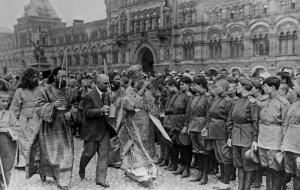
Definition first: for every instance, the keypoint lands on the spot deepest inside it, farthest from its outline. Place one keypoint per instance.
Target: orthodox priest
(56, 142)
(134, 130)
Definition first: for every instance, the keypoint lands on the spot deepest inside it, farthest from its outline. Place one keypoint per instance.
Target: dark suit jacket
(95, 124)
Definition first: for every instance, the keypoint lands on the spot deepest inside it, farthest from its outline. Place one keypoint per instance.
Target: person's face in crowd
(34, 81)
(240, 88)
(235, 72)
(268, 89)
(124, 83)
(184, 87)
(297, 87)
(223, 74)
(193, 89)
(138, 84)
(84, 83)
(172, 88)
(255, 91)
(116, 81)
(60, 79)
(103, 83)
(283, 88)
(197, 88)
(219, 89)
(4, 101)
(289, 70)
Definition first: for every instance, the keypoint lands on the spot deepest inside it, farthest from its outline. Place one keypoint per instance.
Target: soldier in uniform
(177, 122)
(216, 130)
(197, 112)
(242, 128)
(272, 111)
(169, 110)
(291, 140)
(257, 97)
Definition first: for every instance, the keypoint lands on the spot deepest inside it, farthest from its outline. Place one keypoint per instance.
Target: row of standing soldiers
(244, 127)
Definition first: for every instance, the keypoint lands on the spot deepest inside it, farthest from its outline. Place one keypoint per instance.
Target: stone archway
(145, 57)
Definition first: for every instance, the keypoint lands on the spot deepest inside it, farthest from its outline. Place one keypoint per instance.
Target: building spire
(40, 8)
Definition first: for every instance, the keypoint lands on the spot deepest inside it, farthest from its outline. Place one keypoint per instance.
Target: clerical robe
(23, 106)
(56, 141)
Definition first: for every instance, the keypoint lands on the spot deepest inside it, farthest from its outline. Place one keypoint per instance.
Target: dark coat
(95, 122)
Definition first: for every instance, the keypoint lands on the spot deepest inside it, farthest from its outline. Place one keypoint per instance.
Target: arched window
(123, 22)
(231, 44)
(94, 35)
(293, 4)
(260, 45)
(188, 51)
(188, 45)
(242, 46)
(231, 14)
(61, 57)
(94, 53)
(77, 56)
(69, 57)
(281, 41)
(294, 40)
(267, 44)
(211, 49)
(85, 55)
(219, 49)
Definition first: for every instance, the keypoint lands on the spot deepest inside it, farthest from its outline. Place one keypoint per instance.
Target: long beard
(63, 84)
(33, 84)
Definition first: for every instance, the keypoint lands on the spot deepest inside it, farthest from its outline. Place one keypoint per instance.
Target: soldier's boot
(257, 175)
(179, 170)
(220, 176)
(241, 179)
(247, 180)
(269, 179)
(186, 172)
(200, 163)
(224, 185)
(278, 180)
(205, 166)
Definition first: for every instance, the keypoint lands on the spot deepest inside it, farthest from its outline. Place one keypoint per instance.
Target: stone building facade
(245, 35)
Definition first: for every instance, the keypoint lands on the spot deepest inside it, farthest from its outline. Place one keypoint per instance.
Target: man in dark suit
(96, 132)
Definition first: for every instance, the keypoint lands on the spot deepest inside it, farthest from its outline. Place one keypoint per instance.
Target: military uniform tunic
(291, 140)
(243, 122)
(270, 133)
(196, 118)
(242, 127)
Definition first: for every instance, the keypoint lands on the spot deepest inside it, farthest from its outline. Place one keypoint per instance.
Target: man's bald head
(101, 77)
(102, 82)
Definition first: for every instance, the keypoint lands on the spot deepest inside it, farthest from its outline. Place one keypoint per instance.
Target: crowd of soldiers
(231, 126)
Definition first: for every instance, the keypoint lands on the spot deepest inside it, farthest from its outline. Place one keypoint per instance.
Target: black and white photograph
(149, 95)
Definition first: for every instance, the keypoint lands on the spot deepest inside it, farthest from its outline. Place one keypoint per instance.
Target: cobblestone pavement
(116, 179)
